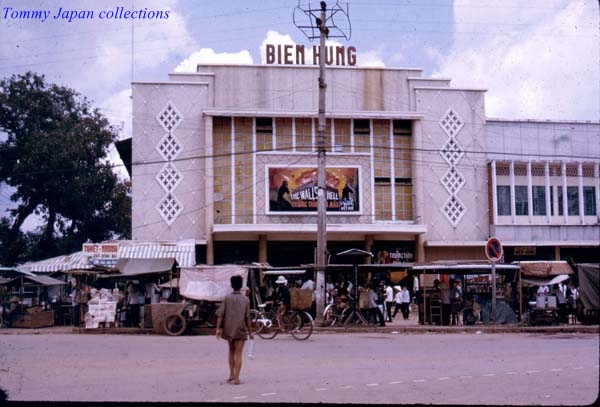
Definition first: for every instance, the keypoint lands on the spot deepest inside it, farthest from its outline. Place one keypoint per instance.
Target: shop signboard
(102, 254)
(293, 189)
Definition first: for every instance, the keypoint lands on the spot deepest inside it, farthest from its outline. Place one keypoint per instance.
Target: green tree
(54, 154)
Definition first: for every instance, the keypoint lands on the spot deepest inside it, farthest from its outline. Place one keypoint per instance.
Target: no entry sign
(493, 249)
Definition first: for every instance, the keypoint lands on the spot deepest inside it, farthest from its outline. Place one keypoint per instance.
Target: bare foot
(236, 381)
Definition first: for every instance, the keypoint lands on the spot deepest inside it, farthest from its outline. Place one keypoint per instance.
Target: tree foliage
(54, 156)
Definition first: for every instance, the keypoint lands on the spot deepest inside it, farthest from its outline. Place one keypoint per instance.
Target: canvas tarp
(549, 281)
(543, 269)
(136, 267)
(209, 283)
(588, 275)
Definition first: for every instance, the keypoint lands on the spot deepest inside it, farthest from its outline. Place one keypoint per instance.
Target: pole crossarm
(336, 23)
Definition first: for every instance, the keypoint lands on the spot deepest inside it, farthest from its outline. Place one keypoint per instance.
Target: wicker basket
(301, 299)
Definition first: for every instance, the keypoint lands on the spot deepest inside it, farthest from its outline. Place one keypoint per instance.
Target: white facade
(203, 144)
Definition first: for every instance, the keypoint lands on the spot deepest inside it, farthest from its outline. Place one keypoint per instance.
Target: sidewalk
(398, 325)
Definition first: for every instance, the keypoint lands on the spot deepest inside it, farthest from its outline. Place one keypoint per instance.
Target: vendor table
(543, 316)
(37, 319)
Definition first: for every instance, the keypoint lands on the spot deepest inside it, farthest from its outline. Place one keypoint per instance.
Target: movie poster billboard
(294, 189)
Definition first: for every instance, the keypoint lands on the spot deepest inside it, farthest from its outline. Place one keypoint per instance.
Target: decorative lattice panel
(169, 117)
(451, 123)
(452, 151)
(452, 180)
(454, 210)
(169, 147)
(169, 177)
(169, 208)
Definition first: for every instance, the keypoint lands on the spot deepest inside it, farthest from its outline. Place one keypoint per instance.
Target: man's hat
(281, 280)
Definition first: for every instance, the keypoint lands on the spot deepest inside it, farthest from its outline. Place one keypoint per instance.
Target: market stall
(201, 289)
(29, 302)
(142, 277)
(540, 309)
(475, 295)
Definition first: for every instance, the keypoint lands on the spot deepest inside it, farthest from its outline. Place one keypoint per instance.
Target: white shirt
(543, 290)
(389, 294)
(405, 296)
(308, 284)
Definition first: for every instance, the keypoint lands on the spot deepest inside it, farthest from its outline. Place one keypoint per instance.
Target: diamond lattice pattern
(453, 180)
(169, 208)
(454, 210)
(169, 147)
(452, 151)
(169, 117)
(451, 123)
(169, 177)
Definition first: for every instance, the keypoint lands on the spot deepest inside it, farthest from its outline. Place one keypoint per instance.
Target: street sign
(493, 249)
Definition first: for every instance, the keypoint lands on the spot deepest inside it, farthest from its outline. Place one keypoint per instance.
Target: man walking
(234, 325)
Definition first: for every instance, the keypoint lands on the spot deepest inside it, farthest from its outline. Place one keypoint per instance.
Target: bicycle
(336, 312)
(296, 322)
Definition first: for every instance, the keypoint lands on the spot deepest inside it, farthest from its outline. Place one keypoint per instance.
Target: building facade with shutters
(416, 172)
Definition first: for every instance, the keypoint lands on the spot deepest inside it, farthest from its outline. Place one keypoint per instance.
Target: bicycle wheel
(254, 317)
(300, 325)
(330, 315)
(268, 327)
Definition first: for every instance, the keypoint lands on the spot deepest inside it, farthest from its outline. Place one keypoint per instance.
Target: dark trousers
(446, 310)
(377, 311)
(77, 315)
(405, 307)
(388, 310)
(134, 315)
(397, 307)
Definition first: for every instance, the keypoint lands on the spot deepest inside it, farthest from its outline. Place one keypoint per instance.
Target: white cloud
(275, 38)
(540, 56)
(209, 56)
(371, 59)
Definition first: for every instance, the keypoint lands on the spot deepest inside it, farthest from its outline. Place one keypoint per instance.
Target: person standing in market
(234, 325)
(75, 296)
(133, 304)
(372, 304)
(405, 302)
(389, 301)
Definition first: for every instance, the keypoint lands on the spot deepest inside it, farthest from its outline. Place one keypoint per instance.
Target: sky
(537, 59)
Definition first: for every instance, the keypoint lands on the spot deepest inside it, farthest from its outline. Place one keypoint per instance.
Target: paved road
(455, 368)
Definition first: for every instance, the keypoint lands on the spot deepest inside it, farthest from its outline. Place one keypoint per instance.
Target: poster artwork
(294, 189)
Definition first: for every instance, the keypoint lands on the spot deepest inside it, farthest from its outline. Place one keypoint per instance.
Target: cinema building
(416, 171)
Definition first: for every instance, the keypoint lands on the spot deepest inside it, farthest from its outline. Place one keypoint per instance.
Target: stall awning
(462, 267)
(136, 267)
(545, 268)
(34, 280)
(549, 281)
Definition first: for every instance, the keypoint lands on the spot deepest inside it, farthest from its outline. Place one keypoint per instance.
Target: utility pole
(320, 18)
(321, 174)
